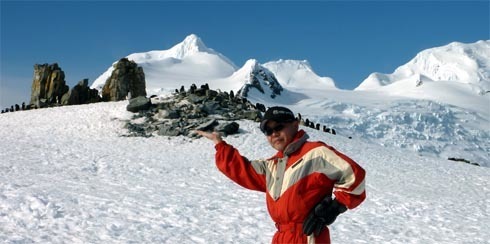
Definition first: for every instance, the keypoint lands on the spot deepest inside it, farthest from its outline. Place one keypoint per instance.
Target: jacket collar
(298, 141)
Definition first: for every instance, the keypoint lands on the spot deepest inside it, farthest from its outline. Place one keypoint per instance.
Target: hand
(323, 214)
(213, 136)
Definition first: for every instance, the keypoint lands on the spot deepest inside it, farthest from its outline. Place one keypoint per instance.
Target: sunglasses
(268, 131)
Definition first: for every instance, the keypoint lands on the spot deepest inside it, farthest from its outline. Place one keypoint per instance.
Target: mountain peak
(254, 76)
(190, 45)
(193, 40)
(251, 64)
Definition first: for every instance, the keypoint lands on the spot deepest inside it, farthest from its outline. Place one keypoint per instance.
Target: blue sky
(344, 40)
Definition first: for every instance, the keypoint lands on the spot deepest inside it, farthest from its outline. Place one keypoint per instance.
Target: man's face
(281, 134)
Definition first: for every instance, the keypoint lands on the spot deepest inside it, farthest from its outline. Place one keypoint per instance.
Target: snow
(191, 62)
(456, 62)
(438, 103)
(68, 174)
(296, 75)
(185, 63)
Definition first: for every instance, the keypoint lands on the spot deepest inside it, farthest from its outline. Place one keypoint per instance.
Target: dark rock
(168, 130)
(211, 107)
(194, 98)
(462, 160)
(81, 94)
(168, 114)
(139, 103)
(228, 128)
(261, 78)
(253, 115)
(211, 93)
(208, 126)
(138, 130)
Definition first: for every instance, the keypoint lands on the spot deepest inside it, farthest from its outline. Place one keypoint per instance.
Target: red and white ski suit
(294, 181)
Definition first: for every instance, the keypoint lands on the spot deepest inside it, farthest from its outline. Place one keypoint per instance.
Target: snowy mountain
(68, 175)
(453, 64)
(410, 109)
(259, 84)
(185, 63)
(192, 62)
(258, 78)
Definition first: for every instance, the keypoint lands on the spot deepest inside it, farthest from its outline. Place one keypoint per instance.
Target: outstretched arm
(213, 136)
(235, 166)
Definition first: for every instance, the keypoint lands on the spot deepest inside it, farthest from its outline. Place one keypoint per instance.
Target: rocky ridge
(187, 110)
(49, 89)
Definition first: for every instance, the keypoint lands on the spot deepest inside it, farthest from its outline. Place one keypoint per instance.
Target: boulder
(167, 114)
(208, 126)
(138, 104)
(228, 128)
(127, 80)
(168, 130)
(254, 115)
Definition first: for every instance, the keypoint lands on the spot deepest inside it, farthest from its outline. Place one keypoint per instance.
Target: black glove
(323, 214)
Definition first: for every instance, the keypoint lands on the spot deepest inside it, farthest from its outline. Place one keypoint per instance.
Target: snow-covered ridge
(191, 61)
(298, 74)
(457, 62)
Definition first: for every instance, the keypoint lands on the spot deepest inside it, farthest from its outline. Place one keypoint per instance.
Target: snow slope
(298, 75)
(425, 126)
(456, 62)
(68, 175)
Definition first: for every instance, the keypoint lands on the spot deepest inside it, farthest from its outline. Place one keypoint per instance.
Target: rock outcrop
(48, 85)
(260, 78)
(81, 94)
(126, 81)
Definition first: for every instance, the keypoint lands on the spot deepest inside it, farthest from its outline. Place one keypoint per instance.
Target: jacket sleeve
(239, 169)
(349, 186)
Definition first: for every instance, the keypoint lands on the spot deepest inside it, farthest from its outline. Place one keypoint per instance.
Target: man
(298, 181)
